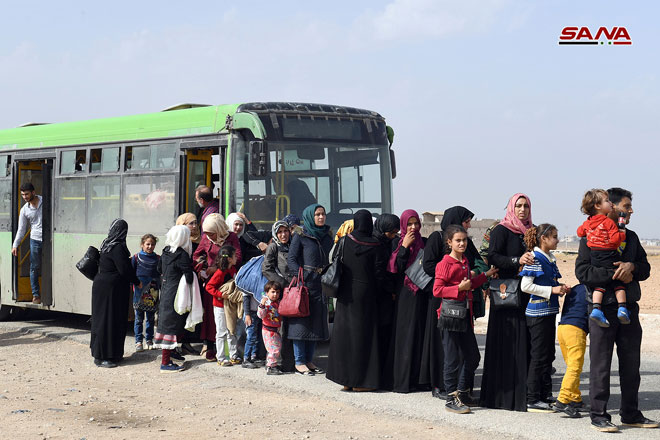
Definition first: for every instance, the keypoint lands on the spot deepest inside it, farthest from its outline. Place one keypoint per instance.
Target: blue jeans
(35, 266)
(140, 316)
(303, 351)
(253, 335)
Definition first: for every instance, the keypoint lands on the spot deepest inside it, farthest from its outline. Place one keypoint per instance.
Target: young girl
(225, 263)
(539, 279)
(270, 326)
(454, 283)
(145, 264)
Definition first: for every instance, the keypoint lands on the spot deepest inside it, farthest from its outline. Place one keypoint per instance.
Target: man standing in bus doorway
(31, 213)
(207, 204)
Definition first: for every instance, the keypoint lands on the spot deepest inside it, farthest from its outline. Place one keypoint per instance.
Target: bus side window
(4, 166)
(73, 161)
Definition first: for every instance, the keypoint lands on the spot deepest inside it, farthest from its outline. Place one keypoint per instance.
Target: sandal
(305, 372)
(316, 370)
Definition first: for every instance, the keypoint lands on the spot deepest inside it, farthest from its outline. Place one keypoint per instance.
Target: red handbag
(295, 299)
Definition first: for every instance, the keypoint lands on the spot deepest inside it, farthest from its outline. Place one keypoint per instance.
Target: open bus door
(40, 174)
(198, 165)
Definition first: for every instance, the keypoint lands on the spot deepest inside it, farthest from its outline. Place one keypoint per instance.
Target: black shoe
(581, 407)
(273, 371)
(104, 364)
(549, 399)
(539, 407)
(249, 364)
(603, 425)
(455, 405)
(259, 362)
(439, 393)
(567, 409)
(642, 422)
(174, 354)
(467, 399)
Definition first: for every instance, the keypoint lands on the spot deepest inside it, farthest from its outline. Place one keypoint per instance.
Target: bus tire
(5, 312)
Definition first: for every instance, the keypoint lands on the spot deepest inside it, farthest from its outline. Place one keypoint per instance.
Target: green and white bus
(265, 159)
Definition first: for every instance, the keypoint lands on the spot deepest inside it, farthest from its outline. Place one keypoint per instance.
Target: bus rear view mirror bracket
(258, 157)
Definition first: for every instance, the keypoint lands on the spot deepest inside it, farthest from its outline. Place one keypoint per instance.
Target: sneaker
(468, 399)
(581, 407)
(642, 422)
(171, 368)
(539, 407)
(174, 354)
(225, 363)
(259, 362)
(273, 371)
(549, 399)
(623, 315)
(139, 347)
(599, 318)
(236, 361)
(249, 364)
(567, 409)
(150, 345)
(36, 300)
(604, 426)
(455, 405)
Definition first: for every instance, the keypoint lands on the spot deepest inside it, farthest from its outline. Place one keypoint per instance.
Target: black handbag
(331, 275)
(505, 293)
(416, 272)
(89, 263)
(454, 315)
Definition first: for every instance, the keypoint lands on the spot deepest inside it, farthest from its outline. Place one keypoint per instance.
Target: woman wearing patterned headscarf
(504, 383)
(216, 234)
(404, 367)
(310, 250)
(354, 360)
(111, 291)
(190, 220)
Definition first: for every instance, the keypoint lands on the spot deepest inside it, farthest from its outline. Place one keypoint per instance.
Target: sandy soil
(49, 388)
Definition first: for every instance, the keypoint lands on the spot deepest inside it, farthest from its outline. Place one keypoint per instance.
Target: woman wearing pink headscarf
(504, 382)
(404, 365)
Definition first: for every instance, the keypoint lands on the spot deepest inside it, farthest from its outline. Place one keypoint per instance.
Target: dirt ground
(50, 389)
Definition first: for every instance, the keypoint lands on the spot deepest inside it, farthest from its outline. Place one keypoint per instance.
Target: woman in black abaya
(354, 360)
(111, 291)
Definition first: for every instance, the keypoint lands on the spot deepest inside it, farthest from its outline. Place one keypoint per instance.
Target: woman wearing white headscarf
(215, 235)
(253, 241)
(174, 264)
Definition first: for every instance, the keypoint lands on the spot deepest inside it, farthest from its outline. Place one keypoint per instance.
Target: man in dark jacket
(632, 269)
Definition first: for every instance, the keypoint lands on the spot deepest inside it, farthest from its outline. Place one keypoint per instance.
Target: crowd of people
(405, 307)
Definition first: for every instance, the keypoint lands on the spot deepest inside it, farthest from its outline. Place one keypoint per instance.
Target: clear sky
(483, 100)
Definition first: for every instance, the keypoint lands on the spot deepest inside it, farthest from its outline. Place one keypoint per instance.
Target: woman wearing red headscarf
(404, 367)
(504, 382)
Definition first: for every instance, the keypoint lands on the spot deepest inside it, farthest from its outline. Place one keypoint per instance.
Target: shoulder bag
(331, 275)
(89, 263)
(416, 273)
(295, 299)
(505, 293)
(454, 315)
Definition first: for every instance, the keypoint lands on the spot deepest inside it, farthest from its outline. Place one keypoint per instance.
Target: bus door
(40, 174)
(201, 166)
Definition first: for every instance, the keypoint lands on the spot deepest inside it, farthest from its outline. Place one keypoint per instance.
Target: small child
(454, 283)
(572, 336)
(145, 300)
(603, 238)
(225, 262)
(270, 325)
(539, 279)
(252, 332)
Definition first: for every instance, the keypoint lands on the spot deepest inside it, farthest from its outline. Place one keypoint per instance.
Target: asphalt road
(421, 406)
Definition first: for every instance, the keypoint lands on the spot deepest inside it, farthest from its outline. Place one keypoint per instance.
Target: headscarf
(309, 226)
(179, 237)
(345, 229)
(385, 223)
(231, 219)
(414, 247)
(455, 215)
(116, 236)
(276, 227)
(511, 221)
(215, 223)
(363, 226)
(186, 219)
(292, 219)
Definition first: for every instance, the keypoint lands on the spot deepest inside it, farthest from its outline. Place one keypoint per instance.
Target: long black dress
(111, 293)
(504, 382)
(173, 265)
(354, 359)
(407, 344)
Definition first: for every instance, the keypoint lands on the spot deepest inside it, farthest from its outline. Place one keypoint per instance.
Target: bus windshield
(342, 177)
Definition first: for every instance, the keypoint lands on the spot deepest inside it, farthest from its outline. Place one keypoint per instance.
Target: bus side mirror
(258, 160)
(392, 163)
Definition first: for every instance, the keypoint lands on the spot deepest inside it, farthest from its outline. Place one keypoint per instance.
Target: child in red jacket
(225, 262)
(454, 284)
(603, 238)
